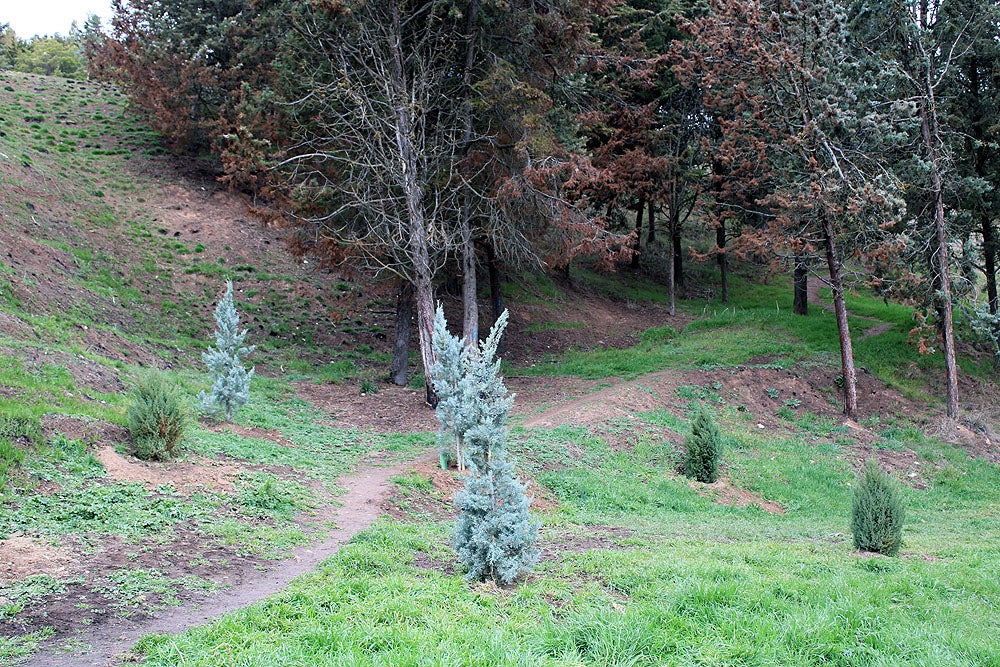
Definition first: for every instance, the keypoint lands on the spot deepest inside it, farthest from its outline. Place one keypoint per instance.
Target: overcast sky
(47, 17)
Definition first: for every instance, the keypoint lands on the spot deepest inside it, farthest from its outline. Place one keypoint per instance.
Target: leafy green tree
(230, 380)
(785, 92)
(931, 56)
(52, 56)
(11, 46)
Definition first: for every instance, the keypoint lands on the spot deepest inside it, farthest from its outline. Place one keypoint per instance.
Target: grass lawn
(642, 569)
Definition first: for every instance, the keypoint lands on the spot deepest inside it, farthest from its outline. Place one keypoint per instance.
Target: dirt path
(814, 298)
(361, 506)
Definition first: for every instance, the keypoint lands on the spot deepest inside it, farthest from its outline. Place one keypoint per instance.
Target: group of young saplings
(877, 509)
(158, 415)
(495, 536)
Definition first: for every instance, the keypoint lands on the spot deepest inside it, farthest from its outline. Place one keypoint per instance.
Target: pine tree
(230, 380)
(495, 536)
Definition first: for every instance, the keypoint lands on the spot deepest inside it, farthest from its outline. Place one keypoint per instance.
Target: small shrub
(703, 449)
(156, 418)
(877, 512)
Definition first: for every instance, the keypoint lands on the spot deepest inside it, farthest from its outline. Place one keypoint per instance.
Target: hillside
(112, 257)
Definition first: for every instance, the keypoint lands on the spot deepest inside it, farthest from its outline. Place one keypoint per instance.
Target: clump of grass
(703, 449)
(877, 512)
(266, 495)
(156, 418)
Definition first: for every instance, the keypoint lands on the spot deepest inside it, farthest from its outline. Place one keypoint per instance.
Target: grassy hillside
(112, 256)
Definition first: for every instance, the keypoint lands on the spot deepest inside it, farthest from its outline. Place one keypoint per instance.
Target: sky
(47, 17)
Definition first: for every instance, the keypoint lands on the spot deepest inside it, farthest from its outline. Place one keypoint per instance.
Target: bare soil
(438, 502)
(726, 493)
(22, 556)
(184, 476)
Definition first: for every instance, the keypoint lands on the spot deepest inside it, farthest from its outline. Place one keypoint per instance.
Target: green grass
(690, 582)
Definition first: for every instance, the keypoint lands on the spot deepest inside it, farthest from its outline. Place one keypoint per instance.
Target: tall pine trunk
(413, 192)
(671, 283)
(651, 236)
(800, 303)
(638, 233)
(848, 372)
(723, 259)
(401, 347)
(496, 296)
(470, 305)
(931, 136)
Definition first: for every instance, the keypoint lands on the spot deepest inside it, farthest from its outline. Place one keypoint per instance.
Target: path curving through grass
(367, 488)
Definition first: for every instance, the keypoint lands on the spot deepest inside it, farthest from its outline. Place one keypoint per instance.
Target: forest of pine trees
(856, 142)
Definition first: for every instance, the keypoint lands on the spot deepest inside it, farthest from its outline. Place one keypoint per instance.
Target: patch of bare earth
(83, 429)
(727, 493)
(184, 476)
(23, 556)
(438, 503)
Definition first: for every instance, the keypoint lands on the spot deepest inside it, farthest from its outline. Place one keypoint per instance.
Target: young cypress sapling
(703, 448)
(495, 536)
(877, 512)
(230, 380)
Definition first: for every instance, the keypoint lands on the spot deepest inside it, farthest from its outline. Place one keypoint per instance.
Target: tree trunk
(843, 328)
(496, 296)
(651, 236)
(638, 233)
(671, 284)
(929, 130)
(800, 303)
(675, 233)
(401, 348)
(723, 258)
(990, 258)
(470, 305)
(414, 194)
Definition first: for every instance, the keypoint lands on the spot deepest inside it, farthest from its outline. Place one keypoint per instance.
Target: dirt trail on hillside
(361, 506)
(814, 298)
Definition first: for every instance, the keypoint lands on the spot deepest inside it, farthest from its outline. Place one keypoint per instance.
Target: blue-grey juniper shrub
(230, 380)
(495, 537)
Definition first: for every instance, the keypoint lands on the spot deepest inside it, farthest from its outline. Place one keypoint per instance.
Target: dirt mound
(438, 503)
(726, 493)
(85, 430)
(391, 409)
(22, 557)
(185, 476)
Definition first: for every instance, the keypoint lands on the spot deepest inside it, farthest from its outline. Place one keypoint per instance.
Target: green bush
(156, 418)
(877, 512)
(703, 449)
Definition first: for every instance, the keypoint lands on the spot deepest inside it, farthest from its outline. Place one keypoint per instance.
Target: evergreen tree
(469, 388)
(877, 512)
(495, 536)
(230, 380)
(703, 449)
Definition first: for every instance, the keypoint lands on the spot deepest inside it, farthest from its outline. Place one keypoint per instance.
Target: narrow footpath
(106, 646)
